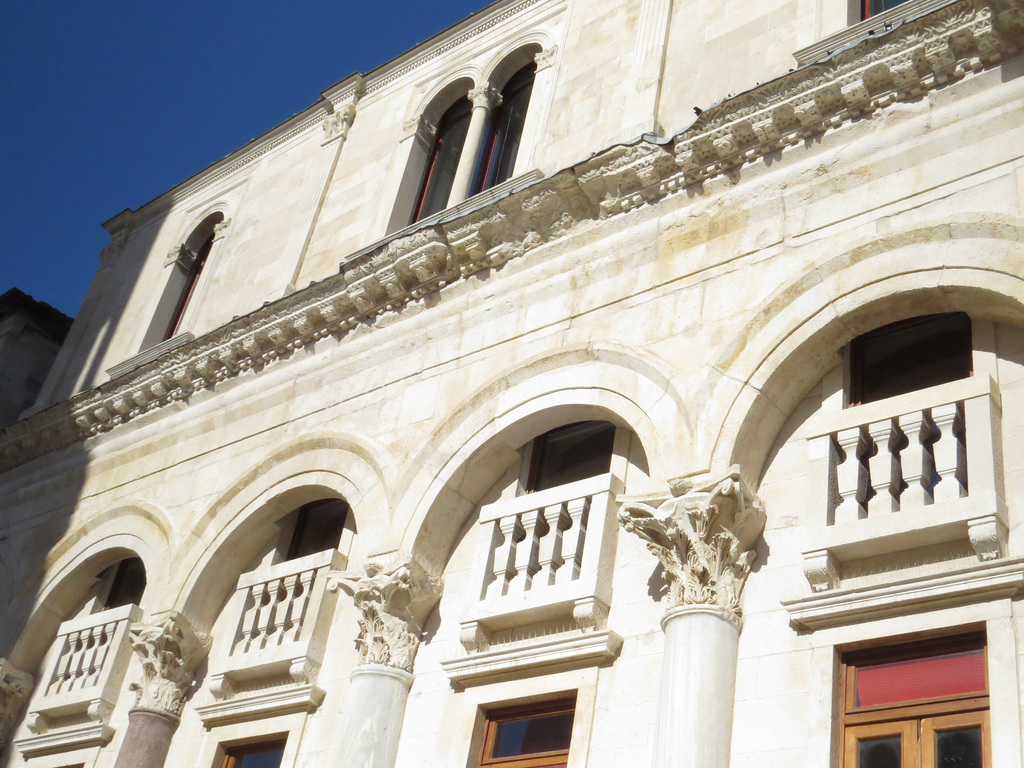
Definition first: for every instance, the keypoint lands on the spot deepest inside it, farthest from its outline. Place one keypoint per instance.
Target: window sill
(149, 355)
(875, 26)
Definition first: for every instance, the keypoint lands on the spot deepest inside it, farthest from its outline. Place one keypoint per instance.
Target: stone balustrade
(83, 672)
(540, 558)
(905, 472)
(280, 615)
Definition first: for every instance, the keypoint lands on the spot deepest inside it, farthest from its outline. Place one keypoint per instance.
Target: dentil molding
(859, 82)
(704, 538)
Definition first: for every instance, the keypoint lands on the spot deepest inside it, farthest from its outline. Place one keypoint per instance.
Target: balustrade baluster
(851, 474)
(527, 551)
(62, 670)
(948, 454)
(549, 558)
(251, 625)
(85, 660)
(103, 636)
(508, 532)
(277, 617)
(915, 461)
(299, 603)
(884, 468)
(266, 613)
(574, 532)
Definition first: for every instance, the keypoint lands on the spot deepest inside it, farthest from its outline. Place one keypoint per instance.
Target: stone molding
(15, 686)
(392, 601)
(704, 538)
(859, 82)
(169, 651)
(485, 96)
(337, 122)
(111, 252)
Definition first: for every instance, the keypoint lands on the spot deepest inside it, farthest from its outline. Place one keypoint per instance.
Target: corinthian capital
(15, 685)
(169, 651)
(704, 538)
(392, 601)
(486, 96)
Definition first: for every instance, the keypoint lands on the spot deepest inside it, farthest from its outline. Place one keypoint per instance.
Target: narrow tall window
(127, 583)
(534, 736)
(444, 160)
(192, 270)
(318, 527)
(919, 705)
(875, 7)
(910, 355)
(498, 157)
(570, 453)
(264, 755)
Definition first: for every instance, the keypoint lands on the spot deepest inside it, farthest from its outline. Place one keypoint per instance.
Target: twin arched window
(476, 144)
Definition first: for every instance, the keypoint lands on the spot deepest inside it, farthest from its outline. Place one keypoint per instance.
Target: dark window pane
(879, 753)
(191, 278)
(128, 585)
(877, 6)
(960, 748)
(572, 453)
(269, 759)
(951, 674)
(318, 527)
(499, 155)
(444, 159)
(905, 357)
(546, 733)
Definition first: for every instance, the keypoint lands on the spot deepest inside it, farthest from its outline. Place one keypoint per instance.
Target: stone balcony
(543, 580)
(270, 658)
(907, 472)
(82, 677)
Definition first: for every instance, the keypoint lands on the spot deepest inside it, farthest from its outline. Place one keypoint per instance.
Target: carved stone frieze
(337, 122)
(170, 651)
(15, 686)
(704, 538)
(860, 81)
(392, 600)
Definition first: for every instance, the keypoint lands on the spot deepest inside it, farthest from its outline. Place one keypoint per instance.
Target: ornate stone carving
(545, 58)
(221, 228)
(337, 123)
(169, 651)
(704, 538)
(485, 96)
(112, 250)
(392, 601)
(821, 570)
(988, 537)
(15, 686)
(863, 79)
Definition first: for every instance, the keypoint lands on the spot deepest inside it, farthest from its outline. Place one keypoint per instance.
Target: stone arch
(514, 56)
(233, 529)
(587, 382)
(445, 93)
(134, 529)
(969, 264)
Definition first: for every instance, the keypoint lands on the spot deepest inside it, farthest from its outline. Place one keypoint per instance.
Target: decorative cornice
(15, 686)
(392, 601)
(704, 538)
(169, 651)
(861, 81)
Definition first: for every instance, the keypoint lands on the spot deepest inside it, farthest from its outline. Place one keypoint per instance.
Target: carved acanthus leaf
(15, 686)
(704, 538)
(169, 650)
(392, 600)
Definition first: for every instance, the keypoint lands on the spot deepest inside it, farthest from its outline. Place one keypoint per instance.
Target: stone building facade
(503, 409)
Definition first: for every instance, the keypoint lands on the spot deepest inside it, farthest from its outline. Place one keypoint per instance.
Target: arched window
(191, 265)
(499, 152)
(570, 453)
(127, 583)
(186, 265)
(444, 160)
(318, 526)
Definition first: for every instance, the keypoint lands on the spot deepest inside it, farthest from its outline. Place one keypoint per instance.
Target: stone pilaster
(15, 686)
(704, 538)
(170, 651)
(392, 601)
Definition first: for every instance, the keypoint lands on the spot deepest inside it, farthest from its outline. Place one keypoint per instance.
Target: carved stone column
(169, 651)
(15, 686)
(704, 538)
(484, 99)
(392, 601)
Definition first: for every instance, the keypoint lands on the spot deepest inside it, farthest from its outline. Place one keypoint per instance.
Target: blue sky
(103, 106)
